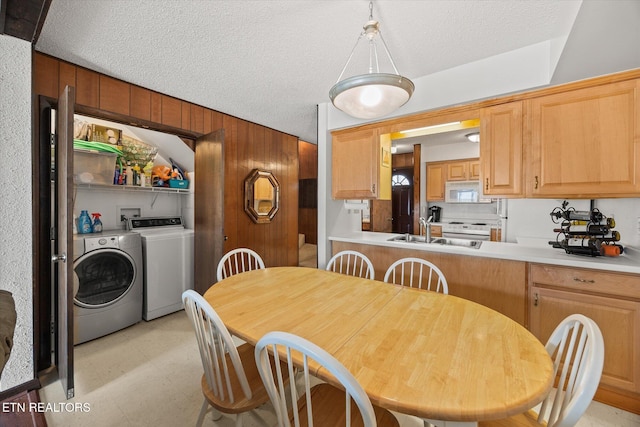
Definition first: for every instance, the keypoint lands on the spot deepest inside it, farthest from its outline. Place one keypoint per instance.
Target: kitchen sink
(412, 238)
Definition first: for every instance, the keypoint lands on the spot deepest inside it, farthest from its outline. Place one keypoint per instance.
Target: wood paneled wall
(307, 216)
(247, 145)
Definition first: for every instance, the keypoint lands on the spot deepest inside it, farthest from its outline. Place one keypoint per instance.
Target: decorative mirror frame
(249, 199)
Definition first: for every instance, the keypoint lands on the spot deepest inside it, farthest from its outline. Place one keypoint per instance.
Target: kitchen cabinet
(435, 181)
(501, 147)
(495, 283)
(463, 170)
(584, 142)
(361, 165)
(612, 300)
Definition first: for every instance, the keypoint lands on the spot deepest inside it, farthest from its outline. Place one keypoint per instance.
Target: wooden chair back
(352, 263)
(418, 273)
(237, 261)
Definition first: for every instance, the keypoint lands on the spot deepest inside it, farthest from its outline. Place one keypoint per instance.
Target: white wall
(15, 202)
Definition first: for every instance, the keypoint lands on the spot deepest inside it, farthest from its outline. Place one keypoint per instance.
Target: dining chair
(352, 263)
(416, 272)
(577, 349)
(237, 261)
(320, 404)
(231, 383)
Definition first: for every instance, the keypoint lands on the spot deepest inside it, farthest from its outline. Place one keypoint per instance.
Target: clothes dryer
(107, 283)
(167, 248)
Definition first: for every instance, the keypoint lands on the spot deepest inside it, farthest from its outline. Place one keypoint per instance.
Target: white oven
(460, 230)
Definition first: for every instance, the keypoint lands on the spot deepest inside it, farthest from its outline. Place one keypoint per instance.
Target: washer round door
(103, 277)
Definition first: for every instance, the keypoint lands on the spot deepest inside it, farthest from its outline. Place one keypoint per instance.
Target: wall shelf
(133, 188)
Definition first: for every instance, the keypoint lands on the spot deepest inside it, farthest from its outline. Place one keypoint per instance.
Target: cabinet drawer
(584, 280)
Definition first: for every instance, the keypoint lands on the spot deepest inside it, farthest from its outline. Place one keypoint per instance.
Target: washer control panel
(91, 243)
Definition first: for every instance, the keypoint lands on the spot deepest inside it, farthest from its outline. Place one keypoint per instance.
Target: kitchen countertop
(628, 262)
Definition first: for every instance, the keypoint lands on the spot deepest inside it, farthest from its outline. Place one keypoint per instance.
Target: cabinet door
(619, 321)
(458, 171)
(584, 142)
(355, 165)
(474, 170)
(435, 181)
(501, 149)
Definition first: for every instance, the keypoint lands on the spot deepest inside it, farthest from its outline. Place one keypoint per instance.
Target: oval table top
(416, 352)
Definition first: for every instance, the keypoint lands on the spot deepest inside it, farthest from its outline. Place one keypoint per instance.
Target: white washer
(167, 249)
(107, 283)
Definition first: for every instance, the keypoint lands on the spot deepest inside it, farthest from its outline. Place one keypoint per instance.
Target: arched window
(399, 181)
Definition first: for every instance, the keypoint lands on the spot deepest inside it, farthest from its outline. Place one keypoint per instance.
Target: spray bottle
(97, 224)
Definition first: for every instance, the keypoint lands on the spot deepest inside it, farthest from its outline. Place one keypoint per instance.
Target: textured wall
(15, 201)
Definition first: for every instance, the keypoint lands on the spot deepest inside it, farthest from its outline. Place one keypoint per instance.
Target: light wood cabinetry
(463, 170)
(457, 170)
(495, 283)
(612, 300)
(435, 181)
(501, 150)
(584, 142)
(361, 165)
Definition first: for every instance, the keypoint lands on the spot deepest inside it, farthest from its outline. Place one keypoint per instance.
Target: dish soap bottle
(97, 224)
(84, 223)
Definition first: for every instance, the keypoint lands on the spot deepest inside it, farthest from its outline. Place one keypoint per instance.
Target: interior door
(209, 208)
(63, 257)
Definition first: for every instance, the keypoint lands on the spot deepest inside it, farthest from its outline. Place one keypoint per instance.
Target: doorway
(402, 200)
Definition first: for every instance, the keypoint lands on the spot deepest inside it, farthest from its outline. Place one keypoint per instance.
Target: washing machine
(108, 283)
(167, 251)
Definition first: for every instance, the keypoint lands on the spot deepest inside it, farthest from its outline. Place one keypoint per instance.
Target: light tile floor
(149, 375)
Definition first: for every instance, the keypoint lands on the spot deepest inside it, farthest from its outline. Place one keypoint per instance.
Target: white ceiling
(273, 62)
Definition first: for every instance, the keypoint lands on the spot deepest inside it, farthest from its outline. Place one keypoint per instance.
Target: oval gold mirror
(261, 196)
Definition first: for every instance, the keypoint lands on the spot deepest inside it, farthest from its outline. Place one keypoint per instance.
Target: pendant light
(375, 94)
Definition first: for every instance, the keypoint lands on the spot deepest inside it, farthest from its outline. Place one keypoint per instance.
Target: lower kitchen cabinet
(612, 300)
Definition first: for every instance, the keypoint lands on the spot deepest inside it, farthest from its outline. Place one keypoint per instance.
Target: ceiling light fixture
(473, 137)
(375, 94)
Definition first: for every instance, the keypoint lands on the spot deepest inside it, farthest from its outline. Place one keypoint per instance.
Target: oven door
(466, 235)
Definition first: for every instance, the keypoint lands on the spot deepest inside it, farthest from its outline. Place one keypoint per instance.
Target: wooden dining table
(417, 352)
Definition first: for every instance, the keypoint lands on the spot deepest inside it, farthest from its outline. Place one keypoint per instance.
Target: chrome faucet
(426, 223)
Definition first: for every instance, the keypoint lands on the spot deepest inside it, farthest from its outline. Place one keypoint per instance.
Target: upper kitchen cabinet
(584, 142)
(435, 181)
(463, 170)
(361, 165)
(501, 150)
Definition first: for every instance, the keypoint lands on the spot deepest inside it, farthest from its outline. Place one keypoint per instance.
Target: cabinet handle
(486, 185)
(536, 186)
(577, 279)
(373, 188)
(535, 299)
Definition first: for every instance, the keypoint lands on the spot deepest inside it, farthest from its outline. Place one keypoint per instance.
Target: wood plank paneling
(140, 106)
(67, 75)
(171, 111)
(114, 95)
(156, 107)
(46, 75)
(197, 119)
(249, 146)
(87, 87)
(186, 115)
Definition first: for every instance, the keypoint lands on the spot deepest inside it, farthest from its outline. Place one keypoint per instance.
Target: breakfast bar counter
(628, 262)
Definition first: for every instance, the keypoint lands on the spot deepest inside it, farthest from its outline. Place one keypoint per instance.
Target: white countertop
(628, 262)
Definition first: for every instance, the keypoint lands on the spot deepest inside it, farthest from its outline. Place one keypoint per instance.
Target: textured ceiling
(272, 62)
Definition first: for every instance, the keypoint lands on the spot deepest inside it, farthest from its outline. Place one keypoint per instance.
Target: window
(399, 180)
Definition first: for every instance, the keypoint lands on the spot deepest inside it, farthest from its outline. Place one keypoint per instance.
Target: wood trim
(3, 15)
(33, 384)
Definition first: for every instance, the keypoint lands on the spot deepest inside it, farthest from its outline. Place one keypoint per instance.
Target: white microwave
(464, 192)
